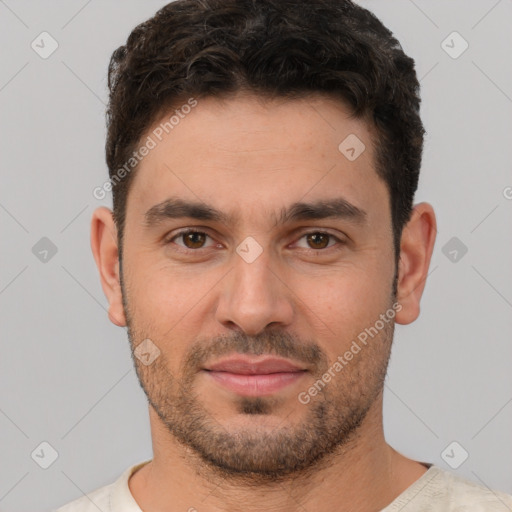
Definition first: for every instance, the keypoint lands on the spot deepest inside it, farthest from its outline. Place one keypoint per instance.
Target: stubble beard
(329, 424)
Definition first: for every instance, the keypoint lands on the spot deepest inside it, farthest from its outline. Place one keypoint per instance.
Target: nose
(254, 296)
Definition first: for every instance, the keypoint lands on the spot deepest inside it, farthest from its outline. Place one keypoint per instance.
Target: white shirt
(436, 490)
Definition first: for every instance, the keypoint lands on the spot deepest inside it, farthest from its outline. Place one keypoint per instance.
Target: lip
(254, 376)
(244, 365)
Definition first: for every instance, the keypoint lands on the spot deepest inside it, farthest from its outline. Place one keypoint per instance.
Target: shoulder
(92, 502)
(114, 497)
(441, 490)
(468, 496)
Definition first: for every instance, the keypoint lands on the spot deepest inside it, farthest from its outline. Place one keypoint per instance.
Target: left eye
(317, 240)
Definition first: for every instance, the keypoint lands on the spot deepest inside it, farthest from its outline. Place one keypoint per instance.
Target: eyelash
(313, 232)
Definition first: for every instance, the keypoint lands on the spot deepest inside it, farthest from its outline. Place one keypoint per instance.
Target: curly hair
(271, 48)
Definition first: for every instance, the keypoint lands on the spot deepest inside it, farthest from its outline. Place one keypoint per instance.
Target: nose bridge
(252, 269)
(253, 295)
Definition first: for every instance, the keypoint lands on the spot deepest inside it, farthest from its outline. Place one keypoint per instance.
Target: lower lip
(255, 385)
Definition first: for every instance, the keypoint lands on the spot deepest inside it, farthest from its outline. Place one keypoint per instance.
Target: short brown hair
(272, 48)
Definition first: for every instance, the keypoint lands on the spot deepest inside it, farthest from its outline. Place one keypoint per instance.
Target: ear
(416, 246)
(106, 254)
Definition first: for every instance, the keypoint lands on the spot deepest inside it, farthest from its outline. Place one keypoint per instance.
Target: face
(287, 260)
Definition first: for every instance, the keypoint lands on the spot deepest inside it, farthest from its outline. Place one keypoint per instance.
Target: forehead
(256, 153)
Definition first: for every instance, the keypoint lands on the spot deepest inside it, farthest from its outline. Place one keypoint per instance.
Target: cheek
(340, 306)
(347, 294)
(168, 304)
(161, 287)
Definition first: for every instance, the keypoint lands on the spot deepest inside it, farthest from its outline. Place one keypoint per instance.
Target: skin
(251, 158)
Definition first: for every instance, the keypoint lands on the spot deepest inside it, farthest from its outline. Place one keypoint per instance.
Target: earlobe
(416, 247)
(106, 255)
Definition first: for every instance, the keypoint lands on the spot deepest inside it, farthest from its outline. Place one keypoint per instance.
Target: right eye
(192, 239)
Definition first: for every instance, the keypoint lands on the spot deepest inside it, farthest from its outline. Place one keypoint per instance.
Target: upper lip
(244, 365)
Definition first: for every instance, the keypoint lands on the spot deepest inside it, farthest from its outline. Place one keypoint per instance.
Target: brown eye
(318, 240)
(193, 239)
(190, 239)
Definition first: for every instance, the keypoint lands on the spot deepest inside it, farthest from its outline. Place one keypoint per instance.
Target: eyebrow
(176, 208)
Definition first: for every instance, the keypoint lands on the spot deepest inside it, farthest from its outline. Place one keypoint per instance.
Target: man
(263, 159)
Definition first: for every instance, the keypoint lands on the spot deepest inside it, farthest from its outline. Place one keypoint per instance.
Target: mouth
(249, 376)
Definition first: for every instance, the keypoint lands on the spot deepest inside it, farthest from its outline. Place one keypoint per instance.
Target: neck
(365, 474)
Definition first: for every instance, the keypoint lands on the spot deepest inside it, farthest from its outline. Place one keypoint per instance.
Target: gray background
(66, 372)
